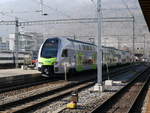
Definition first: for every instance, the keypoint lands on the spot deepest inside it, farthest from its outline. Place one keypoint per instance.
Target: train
(8, 58)
(59, 55)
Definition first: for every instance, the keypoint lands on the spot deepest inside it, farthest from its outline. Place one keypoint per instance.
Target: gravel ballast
(27, 92)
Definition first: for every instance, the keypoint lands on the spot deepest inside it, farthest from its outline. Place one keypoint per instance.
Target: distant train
(57, 53)
(8, 58)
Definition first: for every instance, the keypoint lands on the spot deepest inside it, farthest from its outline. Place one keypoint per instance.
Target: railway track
(17, 84)
(113, 72)
(102, 104)
(35, 102)
(124, 100)
(28, 81)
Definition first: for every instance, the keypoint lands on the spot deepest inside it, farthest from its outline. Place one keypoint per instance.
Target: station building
(28, 42)
(4, 46)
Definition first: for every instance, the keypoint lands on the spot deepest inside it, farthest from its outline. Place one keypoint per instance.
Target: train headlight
(56, 63)
(41, 63)
(48, 61)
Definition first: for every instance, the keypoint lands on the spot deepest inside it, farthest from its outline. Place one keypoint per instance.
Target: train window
(50, 48)
(94, 48)
(79, 47)
(65, 53)
(83, 47)
(87, 47)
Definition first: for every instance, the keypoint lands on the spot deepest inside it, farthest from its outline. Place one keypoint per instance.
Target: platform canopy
(145, 6)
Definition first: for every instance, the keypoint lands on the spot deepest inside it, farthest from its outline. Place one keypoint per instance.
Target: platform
(148, 102)
(16, 72)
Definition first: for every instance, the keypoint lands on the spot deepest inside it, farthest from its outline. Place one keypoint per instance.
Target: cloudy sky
(27, 10)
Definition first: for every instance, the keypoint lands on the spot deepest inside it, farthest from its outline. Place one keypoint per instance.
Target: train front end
(47, 56)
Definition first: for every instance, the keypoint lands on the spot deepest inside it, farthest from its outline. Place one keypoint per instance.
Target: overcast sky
(27, 10)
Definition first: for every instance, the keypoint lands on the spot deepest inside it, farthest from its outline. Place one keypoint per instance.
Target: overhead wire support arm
(75, 20)
(7, 22)
(67, 21)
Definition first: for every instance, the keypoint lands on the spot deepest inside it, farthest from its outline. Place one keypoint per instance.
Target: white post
(65, 69)
(98, 86)
(144, 49)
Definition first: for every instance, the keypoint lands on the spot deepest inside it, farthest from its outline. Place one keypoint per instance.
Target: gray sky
(58, 9)
(26, 9)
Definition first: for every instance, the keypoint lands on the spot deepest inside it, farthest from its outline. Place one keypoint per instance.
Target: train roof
(72, 40)
(115, 49)
(86, 43)
(80, 42)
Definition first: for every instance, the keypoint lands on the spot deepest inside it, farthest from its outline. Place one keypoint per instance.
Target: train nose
(48, 70)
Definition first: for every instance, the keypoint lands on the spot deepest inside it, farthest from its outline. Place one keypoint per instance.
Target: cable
(5, 14)
(127, 8)
(62, 13)
(116, 9)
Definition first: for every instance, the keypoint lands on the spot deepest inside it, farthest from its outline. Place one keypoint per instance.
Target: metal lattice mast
(99, 46)
(17, 40)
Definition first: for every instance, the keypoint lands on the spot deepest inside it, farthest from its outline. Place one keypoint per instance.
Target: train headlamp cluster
(41, 63)
(48, 61)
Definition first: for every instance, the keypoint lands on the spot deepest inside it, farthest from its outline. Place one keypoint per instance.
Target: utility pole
(41, 7)
(133, 37)
(118, 43)
(98, 86)
(17, 40)
(144, 48)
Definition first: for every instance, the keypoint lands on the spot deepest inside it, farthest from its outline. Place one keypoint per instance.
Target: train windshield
(50, 48)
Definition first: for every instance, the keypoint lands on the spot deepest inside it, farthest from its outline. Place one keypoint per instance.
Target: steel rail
(24, 82)
(46, 98)
(113, 100)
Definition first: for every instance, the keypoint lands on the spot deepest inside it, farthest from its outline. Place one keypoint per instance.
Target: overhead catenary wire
(8, 15)
(47, 6)
(127, 7)
(67, 21)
